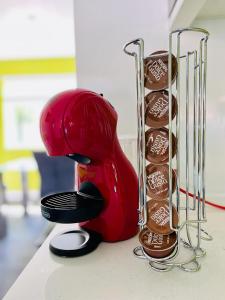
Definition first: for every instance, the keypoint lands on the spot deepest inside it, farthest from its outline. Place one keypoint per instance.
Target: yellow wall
(25, 67)
(58, 65)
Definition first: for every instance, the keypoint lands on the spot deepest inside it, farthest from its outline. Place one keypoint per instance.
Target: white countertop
(112, 272)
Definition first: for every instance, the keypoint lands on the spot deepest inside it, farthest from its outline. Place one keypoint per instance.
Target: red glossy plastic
(83, 122)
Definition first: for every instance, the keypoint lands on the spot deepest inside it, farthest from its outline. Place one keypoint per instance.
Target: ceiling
(212, 9)
(36, 28)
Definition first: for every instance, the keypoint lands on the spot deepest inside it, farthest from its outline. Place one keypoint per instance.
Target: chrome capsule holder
(192, 67)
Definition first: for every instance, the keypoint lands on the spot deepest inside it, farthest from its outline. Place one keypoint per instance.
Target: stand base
(166, 264)
(75, 243)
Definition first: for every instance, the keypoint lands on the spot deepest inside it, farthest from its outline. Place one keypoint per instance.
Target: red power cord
(207, 202)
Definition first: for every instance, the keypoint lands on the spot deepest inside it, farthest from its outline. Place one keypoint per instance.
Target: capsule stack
(157, 238)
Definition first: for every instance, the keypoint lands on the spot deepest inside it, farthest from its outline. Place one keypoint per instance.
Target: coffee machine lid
(78, 122)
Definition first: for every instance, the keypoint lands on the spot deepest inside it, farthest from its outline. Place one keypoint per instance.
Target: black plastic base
(75, 243)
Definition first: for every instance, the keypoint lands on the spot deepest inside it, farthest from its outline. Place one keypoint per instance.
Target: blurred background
(37, 60)
(50, 46)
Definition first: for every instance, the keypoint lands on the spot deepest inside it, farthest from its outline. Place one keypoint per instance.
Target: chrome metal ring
(196, 266)
(138, 252)
(160, 267)
(200, 252)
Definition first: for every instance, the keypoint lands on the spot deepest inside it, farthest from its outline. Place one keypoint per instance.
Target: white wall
(215, 163)
(101, 29)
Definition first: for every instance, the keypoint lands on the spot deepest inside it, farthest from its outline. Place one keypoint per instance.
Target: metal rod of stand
(199, 144)
(204, 126)
(195, 177)
(139, 65)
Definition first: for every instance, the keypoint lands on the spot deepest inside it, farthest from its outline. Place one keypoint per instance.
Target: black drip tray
(75, 243)
(70, 207)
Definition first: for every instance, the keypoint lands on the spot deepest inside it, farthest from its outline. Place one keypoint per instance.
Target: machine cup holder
(70, 207)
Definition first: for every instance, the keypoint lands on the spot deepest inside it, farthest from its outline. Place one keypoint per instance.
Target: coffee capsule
(156, 70)
(158, 181)
(157, 145)
(157, 245)
(158, 216)
(157, 109)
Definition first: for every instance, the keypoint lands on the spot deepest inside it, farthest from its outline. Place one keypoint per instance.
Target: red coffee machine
(81, 124)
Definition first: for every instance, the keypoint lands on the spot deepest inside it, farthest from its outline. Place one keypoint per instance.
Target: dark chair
(57, 173)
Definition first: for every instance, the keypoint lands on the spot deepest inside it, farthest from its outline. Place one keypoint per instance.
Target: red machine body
(83, 123)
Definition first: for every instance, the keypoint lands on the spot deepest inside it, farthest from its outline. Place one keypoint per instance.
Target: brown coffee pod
(157, 109)
(157, 245)
(158, 181)
(156, 70)
(158, 216)
(157, 145)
